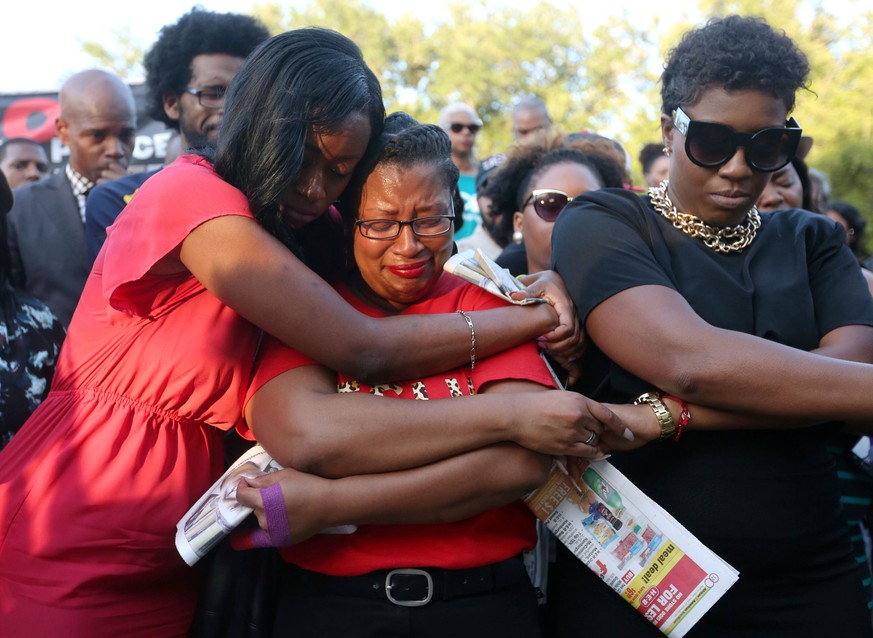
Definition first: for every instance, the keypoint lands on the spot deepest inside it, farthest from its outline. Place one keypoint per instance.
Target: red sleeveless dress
(152, 370)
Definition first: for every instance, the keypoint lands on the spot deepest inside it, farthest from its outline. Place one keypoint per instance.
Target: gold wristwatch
(665, 419)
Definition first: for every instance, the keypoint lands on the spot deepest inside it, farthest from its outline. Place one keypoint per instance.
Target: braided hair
(405, 143)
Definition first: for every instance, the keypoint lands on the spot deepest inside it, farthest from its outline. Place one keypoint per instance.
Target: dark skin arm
(258, 277)
(850, 343)
(376, 436)
(670, 346)
(447, 491)
(304, 423)
(399, 461)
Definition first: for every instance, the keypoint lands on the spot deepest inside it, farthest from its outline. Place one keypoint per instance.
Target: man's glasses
(212, 98)
(709, 144)
(457, 127)
(548, 203)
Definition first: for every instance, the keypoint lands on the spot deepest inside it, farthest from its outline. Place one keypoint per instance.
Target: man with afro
(188, 70)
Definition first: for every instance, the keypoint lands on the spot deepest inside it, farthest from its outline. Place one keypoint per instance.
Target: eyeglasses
(548, 203)
(430, 226)
(709, 144)
(211, 98)
(457, 127)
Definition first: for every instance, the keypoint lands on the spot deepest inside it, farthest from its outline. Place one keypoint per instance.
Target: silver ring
(592, 439)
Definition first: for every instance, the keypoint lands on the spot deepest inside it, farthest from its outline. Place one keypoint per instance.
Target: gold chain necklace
(713, 236)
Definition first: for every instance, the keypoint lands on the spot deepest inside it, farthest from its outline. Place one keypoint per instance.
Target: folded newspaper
(479, 269)
(632, 543)
(217, 512)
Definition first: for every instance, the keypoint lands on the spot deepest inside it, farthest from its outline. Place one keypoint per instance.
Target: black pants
(305, 611)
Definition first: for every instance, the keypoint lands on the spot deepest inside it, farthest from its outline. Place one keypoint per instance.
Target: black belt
(414, 587)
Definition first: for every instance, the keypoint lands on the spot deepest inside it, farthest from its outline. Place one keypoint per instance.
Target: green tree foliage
(842, 116)
(598, 75)
(123, 56)
(491, 56)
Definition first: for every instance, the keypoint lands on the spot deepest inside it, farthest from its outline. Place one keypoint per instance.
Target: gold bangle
(472, 338)
(665, 419)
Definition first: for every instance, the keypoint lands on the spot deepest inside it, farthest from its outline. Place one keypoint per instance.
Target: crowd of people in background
(282, 274)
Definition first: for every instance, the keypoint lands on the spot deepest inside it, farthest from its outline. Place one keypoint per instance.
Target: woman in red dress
(159, 353)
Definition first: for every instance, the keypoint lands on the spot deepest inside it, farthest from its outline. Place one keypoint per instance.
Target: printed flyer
(633, 544)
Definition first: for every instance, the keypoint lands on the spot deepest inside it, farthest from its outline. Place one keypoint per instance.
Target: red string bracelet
(684, 415)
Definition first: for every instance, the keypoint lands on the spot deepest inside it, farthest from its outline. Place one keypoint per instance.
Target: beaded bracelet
(472, 338)
(684, 415)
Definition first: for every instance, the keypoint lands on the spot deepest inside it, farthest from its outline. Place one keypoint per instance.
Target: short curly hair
(168, 62)
(508, 186)
(735, 53)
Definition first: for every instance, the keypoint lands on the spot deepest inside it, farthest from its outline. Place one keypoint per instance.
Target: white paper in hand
(480, 270)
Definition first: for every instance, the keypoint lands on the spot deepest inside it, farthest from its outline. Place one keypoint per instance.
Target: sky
(39, 52)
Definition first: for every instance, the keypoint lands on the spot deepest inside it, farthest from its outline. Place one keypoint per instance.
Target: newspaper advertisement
(218, 512)
(633, 544)
(479, 269)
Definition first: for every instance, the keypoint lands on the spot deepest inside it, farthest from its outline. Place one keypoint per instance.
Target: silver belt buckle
(408, 572)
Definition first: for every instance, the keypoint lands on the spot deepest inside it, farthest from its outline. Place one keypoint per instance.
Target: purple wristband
(278, 533)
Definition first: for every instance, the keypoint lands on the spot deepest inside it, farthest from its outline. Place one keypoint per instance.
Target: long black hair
(298, 81)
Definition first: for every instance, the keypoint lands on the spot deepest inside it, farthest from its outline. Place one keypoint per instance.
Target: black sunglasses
(709, 144)
(548, 203)
(457, 127)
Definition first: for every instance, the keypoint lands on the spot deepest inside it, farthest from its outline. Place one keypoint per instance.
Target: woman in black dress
(691, 293)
